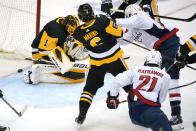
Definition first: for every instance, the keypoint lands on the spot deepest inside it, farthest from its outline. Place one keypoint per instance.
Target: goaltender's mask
(71, 23)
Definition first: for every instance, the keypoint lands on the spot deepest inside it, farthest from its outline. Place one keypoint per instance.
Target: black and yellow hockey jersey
(189, 46)
(53, 34)
(99, 37)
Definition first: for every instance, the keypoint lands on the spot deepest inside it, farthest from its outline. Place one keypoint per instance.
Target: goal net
(19, 20)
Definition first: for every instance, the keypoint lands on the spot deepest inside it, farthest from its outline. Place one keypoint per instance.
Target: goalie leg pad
(60, 59)
(50, 74)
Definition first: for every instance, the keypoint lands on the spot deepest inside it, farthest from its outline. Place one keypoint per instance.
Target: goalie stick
(18, 113)
(165, 17)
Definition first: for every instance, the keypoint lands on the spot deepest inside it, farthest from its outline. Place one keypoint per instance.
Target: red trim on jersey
(161, 40)
(175, 95)
(146, 101)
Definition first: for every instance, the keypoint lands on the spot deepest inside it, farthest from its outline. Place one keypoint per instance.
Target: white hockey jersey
(144, 30)
(150, 84)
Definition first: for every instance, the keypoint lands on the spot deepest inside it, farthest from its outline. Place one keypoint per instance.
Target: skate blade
(178, 127)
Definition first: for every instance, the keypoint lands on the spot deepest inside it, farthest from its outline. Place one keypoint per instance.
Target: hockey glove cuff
(112, 101)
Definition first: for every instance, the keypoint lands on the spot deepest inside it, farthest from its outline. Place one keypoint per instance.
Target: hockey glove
(1, 94)
(181, 60)
(130, 1)
(112, 101)
(106, 6)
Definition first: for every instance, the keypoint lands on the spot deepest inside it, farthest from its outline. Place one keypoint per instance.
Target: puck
(20, 70)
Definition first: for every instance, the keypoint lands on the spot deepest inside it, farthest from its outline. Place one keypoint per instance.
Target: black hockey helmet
(85, 12)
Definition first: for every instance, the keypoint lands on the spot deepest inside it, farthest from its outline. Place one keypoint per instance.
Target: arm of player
(164, 89)
(120, 80)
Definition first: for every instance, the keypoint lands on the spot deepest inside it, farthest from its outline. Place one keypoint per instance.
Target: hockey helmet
(71, 23)
(85, 12)
(154, 58)
(132, 9)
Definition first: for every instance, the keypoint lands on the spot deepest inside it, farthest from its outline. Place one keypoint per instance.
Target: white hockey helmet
(154, 58)
(132, 9)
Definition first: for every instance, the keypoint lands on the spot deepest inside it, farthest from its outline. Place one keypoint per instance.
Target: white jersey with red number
(150, 84)
(144, 30)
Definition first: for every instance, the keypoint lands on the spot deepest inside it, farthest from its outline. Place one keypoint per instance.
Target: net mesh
(17, 27)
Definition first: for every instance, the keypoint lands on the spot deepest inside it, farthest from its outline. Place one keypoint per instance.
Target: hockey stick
(183, 85)
(165, 17)
(39, 61)
(18, 113)
(137, 45)
(162, 55)
(179, 19)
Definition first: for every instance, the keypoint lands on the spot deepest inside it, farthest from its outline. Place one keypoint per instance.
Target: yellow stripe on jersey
(107, 60)
(190, 45)
(84, 27)
(125, 64)
(114, 29)
(47, 42)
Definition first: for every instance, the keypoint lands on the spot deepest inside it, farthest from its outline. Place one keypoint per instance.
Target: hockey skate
(176, 122)
(81, 117)
(2, 128)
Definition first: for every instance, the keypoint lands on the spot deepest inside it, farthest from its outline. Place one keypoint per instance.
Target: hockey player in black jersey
(183, 58)
(149, 6)
(54, 44)
(99, 36)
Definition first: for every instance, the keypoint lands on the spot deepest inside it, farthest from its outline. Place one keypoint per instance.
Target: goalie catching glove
(75, 51)
(112, 101)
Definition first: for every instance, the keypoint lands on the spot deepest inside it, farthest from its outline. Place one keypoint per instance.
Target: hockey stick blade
(23, 110)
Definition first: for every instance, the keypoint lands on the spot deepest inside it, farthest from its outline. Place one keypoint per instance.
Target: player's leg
(156, 119)
(95, 80)
(174, 96)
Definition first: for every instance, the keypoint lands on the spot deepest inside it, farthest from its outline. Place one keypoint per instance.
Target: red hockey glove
(112, 101)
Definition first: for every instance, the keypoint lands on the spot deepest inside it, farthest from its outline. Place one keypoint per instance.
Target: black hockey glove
(130, 1)
(112, 101)
(106, 5)
(1, 94)
(181, 60)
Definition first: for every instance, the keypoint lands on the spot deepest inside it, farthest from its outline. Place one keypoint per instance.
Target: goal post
(19, 24)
